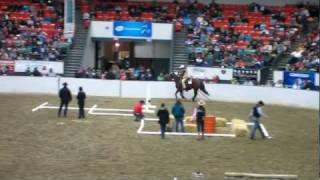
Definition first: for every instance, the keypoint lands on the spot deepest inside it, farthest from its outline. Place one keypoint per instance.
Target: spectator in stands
(28, 72)
(308, 85)
(199, 61)
(36, 72)
(149, 75)
(279, 84)
(51, 73)
(298, 84)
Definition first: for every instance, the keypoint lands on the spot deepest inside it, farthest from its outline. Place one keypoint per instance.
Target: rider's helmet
(182, 66)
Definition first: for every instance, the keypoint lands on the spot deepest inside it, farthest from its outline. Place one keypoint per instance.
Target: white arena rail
(138, 89)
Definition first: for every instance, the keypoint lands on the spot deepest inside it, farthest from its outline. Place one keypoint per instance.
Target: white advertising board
(43, 66)
(210, 73)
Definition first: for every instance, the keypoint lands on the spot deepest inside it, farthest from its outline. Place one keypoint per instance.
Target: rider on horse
(184, 76)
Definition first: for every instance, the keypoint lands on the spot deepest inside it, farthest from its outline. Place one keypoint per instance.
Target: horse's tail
(203, 88)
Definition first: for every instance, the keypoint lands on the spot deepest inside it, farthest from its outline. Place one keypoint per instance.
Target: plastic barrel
(210, 124)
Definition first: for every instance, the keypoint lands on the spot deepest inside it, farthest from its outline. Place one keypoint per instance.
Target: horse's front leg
(195, 94)
(181, 94)
(176, 94)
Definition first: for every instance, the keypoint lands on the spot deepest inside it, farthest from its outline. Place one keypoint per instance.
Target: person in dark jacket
(200, 115)
(81, 101)
(65, 98)
(178, 113)
(255, 114)
(163, 115)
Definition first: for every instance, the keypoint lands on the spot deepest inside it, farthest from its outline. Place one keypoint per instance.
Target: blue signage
(289, 78)
(132, 29)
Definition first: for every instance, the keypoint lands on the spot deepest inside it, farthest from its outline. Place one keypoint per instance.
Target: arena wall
(141, 89)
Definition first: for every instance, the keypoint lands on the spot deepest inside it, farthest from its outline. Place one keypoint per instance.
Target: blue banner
(289, 78)
(132, 29)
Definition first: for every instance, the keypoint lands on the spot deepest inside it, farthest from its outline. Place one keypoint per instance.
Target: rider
(184, 76)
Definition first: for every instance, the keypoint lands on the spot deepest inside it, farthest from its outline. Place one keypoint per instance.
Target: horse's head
(174, 76)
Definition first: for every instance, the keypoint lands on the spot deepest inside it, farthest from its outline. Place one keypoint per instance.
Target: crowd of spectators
(244, 36)
(32, 30)
(122, 10)
(241, 36)
(115, 72)
(306, 56)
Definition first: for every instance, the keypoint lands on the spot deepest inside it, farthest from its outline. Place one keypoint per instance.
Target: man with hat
(65, 98)
(200, 115)
(255, 114)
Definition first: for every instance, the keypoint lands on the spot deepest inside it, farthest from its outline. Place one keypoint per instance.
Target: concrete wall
(154, 49)
(140, 89)
(89, 52)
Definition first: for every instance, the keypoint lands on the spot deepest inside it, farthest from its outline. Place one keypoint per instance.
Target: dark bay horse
(195, 85)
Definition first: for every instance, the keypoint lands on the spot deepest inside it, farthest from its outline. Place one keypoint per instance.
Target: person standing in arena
(137, 110)
(255, 115)
(178, 112)
(163, 115)
(65, 98)
(81, 101)
(200, 115)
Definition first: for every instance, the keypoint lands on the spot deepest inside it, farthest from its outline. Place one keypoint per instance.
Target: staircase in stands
(280, 63)
(72, 62)
(180, 55)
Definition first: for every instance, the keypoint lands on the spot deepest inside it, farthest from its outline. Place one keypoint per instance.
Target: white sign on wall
(42, 66)
(104, 29)
(210, 73)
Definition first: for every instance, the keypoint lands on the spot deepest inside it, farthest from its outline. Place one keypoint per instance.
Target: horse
(196, 84)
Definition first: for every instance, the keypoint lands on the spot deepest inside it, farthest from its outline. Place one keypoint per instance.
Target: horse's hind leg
(203, 89)
(195, 94)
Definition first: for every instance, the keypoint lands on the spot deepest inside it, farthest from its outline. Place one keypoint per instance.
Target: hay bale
(190, 128)
(239, 128)
(221, 122)
(188, 119)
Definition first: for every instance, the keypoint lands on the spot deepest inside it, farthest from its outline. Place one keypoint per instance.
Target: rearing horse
(195, 85)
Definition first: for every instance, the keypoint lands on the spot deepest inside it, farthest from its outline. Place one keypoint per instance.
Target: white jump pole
(148, 99)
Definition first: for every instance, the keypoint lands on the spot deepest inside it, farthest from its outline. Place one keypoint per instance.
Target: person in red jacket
(137, 110)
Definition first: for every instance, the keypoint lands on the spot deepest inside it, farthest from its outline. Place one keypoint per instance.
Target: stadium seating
(31, 31)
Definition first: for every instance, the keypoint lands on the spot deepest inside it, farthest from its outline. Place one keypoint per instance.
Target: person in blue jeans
(255, 115)
(178, 112)
(163, 115)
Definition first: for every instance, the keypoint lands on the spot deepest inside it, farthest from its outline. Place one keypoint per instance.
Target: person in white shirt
(51, 73)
